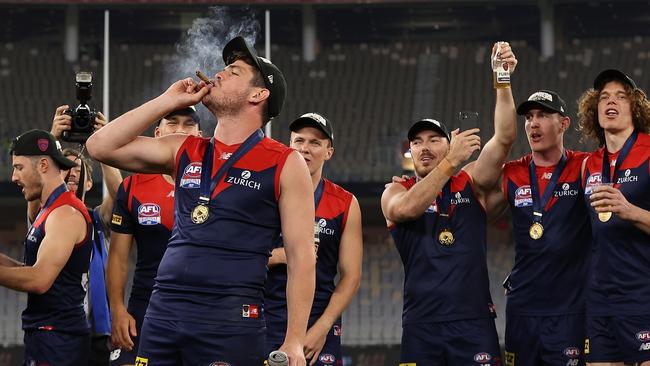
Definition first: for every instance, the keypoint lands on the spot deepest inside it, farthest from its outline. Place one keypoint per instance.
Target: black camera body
(83, 116)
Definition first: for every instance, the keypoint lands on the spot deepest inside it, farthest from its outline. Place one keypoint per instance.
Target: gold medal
(200, 213)
(604, 216)
(536, 230)
(446, 237)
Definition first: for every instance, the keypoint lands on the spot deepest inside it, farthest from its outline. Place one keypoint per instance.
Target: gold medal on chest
(536, 230)
(200, 214)
(446, 237)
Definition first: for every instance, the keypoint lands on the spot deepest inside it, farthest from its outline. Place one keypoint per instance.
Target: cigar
(203, 77)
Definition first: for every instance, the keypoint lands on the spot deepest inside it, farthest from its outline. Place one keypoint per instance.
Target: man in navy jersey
(438, 222)
(545, 290)
(144, 211)
(235, 194)
(616, 179)
(340, 247)
(96, 300)
(57, 255)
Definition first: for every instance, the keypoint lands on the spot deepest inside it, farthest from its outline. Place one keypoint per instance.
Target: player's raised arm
(119, 144)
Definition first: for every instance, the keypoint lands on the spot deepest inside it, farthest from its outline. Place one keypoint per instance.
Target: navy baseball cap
(40, 142)
(273, 77)
(428, 124)
(315, 120)
(546, 99)
(608, 75)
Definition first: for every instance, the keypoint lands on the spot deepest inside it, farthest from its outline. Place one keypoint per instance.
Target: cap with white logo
(315, 120)
(428, 124)
(544, 99)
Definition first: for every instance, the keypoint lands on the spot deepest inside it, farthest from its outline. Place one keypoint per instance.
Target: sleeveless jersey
(621, 258)
(331, 216)
(550, 273)
(61, 307)
(144, 208)
(215, 264)
(445, 282)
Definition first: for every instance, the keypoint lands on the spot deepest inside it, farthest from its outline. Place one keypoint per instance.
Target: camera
(83, 116)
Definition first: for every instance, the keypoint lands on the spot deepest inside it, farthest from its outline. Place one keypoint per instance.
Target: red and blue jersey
(144, 208)
(331, 216)
(618, 283)
(216, 264)
(550, 273)
(445, 282)
(61, 307)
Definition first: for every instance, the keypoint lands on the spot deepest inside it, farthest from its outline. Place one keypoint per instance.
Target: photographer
(98, 312)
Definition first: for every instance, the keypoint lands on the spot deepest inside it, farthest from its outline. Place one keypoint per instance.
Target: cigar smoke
(201, 46)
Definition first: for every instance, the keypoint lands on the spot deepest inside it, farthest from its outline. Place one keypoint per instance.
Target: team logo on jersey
(141, 361)
(592, 181)
(149, 214)
(323, 229)
(523, 197)
(482, 357)
(337, 330)
(459, 199)
(191, 176)
(250, 311)
(327, 358)
(245, 180)
(627, 177)
(566, 191)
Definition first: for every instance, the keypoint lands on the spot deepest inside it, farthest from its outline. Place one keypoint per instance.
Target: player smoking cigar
(203, 77)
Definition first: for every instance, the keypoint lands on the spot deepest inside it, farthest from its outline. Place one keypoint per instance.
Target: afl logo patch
(191, 176)
(523, 197)
(482, 357)
(572, 352)
(149, 214)
(327, 358)
(592, 181)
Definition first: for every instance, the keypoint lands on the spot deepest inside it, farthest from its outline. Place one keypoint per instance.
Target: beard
(226, 105)
(35, 190)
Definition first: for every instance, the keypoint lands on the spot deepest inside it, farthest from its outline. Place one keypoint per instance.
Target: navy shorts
(459, 342)
(137, 309)
(545, 340)
(618, 338)
(55, 348)
(331, 353)
(172, 342)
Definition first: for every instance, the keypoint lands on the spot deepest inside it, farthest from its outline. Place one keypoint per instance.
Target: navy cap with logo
(187, 111)
(545, 99)
(428, 124)
(315, 120)
(273, 77)
(608, 75)
(40, 142)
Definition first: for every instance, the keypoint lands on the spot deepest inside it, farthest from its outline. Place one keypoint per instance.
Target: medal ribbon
(318, 193)
(53, 196)
(606, 175)
(539, 205)
(206, 167)
(444, 203)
